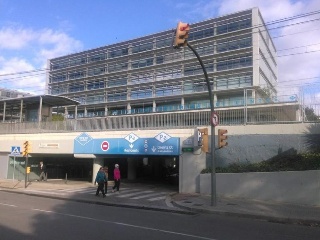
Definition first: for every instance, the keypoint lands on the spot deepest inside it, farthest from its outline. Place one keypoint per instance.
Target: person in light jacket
(117, 177)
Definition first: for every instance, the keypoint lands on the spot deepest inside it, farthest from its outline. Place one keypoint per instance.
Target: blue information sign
(162, 144)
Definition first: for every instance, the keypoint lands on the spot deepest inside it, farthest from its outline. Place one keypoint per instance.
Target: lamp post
(180, 40)
(213, 164)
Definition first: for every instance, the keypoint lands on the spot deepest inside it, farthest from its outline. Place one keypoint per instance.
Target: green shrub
(297, 162)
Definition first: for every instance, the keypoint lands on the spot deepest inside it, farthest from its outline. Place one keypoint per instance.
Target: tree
(310, 114)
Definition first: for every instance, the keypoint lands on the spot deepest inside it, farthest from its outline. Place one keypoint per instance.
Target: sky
(33, 31)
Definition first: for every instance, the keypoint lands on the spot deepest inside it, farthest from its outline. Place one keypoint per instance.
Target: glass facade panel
(201, 34)
(117, 81)
(141, 93)
(142, 47)
(231, 63)
(95, 84)
(118, 53)
(114, 97)
(234, 26)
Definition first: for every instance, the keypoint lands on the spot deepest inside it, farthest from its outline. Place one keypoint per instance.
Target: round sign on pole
(104, 146)
(214, 119)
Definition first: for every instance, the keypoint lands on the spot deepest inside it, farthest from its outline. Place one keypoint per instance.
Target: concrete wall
(301, 187)
(252, 143)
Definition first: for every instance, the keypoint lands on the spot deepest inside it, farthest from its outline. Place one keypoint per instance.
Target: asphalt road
(31, 217)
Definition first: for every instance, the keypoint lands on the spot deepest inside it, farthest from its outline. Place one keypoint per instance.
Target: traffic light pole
(26, 174)
(213, 164)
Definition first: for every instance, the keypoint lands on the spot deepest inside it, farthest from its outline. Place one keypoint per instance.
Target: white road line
(122, 191)
(126, 225)
(156, 199)
(132, 194)
(149, 195)
(8, 205)
(45, 192)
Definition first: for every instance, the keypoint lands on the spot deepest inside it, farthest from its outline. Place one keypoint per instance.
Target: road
(31, 217)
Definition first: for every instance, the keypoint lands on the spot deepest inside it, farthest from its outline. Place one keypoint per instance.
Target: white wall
(300, 187)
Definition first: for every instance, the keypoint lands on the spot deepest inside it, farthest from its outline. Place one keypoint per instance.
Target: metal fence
(264, 114)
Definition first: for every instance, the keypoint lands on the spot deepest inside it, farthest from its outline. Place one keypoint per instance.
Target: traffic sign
(214, 119)
(15, 150)
(105, 146)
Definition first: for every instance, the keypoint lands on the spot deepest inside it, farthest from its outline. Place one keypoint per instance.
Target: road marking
(156, 199)
(132, 194)
(9, 205)
(149, 195)
(45, 191)
(125, 224)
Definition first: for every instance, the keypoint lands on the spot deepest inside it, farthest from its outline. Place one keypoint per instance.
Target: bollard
(66, 178)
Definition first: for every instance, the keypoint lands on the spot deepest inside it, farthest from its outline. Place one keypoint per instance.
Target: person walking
(100, 179)
(43, 172)
(116, 176)
(106, 182)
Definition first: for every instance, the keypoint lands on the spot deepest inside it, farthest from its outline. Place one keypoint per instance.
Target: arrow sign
(214, 119)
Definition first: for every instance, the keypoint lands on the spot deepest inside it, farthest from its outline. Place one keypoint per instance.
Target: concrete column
(128, 108)
(97, 163)
(182, 103)
(132, 170)
(154, 105)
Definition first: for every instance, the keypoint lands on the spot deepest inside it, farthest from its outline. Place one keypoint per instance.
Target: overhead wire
(45, 70)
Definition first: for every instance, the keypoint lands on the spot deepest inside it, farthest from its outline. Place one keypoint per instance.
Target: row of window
(124, 51)
(169, 90)
(222, 64)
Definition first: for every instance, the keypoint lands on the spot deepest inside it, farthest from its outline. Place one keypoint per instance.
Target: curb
(310, 223)
(132, 206)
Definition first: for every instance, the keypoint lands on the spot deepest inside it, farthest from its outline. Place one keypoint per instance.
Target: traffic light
(202, 139)
(205, 139)
(28, 170)
(182, 33)
(26, 148)
(222, 138)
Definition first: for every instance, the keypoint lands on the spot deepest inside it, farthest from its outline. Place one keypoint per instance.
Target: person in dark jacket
(43, 172)
(100, 179)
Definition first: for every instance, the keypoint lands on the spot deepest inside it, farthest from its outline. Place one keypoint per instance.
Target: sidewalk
(274, 212)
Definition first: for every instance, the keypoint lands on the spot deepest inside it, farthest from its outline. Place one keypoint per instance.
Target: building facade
(146, 75)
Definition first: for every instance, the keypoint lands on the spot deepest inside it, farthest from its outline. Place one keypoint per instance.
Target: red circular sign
(105, 146)
(214, 119)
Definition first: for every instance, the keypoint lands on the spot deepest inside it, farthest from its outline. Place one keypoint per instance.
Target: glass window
(118, 53)
(164, 43)
(141, 93)
(96, 71)
(117, 81)
(142, 63)
(98, 57)
(114, 97)
(95, 84)
(118, 67)
(76, 87)
(76, 75)
(142, 47)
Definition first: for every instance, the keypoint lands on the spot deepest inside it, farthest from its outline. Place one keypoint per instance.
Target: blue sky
(33, 31)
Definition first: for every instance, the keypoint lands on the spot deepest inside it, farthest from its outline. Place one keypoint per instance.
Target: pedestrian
(106, 182)
(100, 179)
(116, 176)
(43, 172)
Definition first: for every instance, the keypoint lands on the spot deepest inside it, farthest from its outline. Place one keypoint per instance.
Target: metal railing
(265, 114)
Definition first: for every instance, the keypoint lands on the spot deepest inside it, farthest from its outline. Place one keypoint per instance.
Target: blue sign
(162, 144)
(15, 150)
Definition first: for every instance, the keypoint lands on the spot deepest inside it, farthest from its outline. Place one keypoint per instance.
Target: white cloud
(11, 38)
(25, 50)
(294, 66)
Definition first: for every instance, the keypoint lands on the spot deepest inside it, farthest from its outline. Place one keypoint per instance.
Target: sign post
(15, 150)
